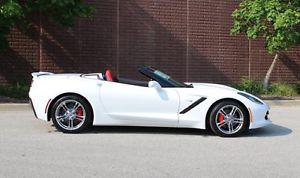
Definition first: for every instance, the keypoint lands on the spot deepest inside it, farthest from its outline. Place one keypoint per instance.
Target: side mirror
(154, 84)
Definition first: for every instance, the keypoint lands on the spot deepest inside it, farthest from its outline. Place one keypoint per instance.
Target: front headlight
(250, 98)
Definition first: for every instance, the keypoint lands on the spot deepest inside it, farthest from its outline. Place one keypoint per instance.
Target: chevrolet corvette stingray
(75, 102)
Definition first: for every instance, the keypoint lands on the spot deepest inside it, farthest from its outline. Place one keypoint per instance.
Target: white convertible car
(74, 102)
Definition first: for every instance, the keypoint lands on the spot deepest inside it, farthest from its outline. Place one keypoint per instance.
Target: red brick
(190, 40)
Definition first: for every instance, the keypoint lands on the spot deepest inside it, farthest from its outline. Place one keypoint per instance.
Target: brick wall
(188, 39)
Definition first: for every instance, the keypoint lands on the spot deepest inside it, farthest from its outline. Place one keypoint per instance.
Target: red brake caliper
(220, 118)
(79, 112)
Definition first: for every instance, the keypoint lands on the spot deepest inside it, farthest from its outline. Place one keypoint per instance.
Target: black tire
(241, 128)
(84, 125)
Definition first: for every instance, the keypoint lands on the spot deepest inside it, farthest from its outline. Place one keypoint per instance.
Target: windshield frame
(162, 78)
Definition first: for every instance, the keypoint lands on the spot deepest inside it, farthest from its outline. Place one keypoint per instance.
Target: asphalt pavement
(33, 148)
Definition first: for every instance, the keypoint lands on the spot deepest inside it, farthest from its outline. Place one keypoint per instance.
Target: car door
(138, 105)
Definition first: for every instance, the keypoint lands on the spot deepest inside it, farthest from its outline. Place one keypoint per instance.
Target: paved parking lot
(33, 148)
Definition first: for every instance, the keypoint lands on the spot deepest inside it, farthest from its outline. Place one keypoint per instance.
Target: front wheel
(229, 119)
(71, 114)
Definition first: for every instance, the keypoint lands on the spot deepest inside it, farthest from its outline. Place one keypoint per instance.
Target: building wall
(188, 39)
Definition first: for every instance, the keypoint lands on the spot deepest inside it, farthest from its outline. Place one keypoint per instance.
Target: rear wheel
(71, 114)
(229, 119)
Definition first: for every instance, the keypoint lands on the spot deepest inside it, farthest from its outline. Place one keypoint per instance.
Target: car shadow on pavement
(272, 130)
(146, 130)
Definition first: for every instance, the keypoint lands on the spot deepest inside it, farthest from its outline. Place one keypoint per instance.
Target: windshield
(169, 79)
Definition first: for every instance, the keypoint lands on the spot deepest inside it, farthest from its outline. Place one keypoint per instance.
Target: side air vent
(194, 104)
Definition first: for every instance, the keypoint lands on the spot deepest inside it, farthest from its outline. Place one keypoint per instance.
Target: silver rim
(70, 114)
(229, 119)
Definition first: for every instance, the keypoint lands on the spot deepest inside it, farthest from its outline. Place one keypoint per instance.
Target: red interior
(109, 76)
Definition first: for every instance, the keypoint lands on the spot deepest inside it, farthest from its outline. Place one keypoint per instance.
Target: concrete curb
(283, 102)
(13, 106)
(269, 102)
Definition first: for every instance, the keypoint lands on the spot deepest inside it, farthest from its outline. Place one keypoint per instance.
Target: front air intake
(266, 116)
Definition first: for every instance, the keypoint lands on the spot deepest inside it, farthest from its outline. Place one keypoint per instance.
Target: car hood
(210, 89)
(211, 86)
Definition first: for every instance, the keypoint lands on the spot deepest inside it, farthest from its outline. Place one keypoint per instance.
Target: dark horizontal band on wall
(194, 104)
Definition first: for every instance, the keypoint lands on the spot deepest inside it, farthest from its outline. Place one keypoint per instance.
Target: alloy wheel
(229, 119)
(70, 114)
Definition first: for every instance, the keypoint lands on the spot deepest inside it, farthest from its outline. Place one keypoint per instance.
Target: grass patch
(275, 89)
(298, 88)
(18, 90)
(250, 86)
(282, 89)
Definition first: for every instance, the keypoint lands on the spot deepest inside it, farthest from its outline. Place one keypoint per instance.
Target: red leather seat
(109, 76)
